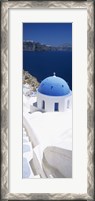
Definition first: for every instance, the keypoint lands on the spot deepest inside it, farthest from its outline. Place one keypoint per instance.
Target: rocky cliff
(31, 80)
(36, 46)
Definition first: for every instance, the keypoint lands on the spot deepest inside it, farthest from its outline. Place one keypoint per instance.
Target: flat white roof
(50, 128)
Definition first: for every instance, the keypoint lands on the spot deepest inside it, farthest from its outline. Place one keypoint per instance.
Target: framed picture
(47, 100)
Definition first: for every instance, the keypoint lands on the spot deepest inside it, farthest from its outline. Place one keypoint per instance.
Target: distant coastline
(37, 46)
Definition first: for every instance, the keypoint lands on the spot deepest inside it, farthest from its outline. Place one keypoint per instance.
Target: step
(27, 171)
(24, 133)
(35, 176)
(27, 147)
(23, 129)
(25, 139)
(50, 176)
(28, 155)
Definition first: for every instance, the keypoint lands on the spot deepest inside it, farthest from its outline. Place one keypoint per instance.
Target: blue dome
(54, 86)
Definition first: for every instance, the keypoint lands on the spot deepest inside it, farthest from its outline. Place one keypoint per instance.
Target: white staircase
(27, 157)
(32, 160)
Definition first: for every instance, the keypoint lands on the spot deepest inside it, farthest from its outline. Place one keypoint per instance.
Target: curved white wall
(64, 102)
(52, 157)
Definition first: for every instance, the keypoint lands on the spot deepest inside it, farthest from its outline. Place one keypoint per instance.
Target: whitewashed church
(53, 95)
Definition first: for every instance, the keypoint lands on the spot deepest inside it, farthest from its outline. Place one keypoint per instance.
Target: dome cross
(54, 74)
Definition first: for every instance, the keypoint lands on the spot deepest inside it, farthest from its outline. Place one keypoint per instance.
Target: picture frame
(5, 6)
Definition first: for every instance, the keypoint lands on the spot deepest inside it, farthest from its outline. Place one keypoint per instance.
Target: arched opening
(43, 104)
(68, 103)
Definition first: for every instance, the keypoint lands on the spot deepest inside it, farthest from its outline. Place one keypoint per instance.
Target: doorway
(56, 106)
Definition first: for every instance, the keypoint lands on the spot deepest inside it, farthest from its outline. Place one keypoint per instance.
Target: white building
(47, 143)
(53, 94)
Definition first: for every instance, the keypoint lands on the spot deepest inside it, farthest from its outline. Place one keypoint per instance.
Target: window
(56, 106)
(68, 103)
(43, 104)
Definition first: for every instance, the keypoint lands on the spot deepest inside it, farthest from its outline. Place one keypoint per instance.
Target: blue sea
(44, 64)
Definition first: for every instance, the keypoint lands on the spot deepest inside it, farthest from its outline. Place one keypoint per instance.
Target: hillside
(31, 80)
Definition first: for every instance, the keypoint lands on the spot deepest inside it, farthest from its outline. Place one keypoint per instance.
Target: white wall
(52, 157)
(51, 100)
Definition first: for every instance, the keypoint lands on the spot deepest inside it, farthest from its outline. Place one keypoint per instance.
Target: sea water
(44, 64)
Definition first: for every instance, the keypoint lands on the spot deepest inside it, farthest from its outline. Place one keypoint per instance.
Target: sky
(48, 33)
